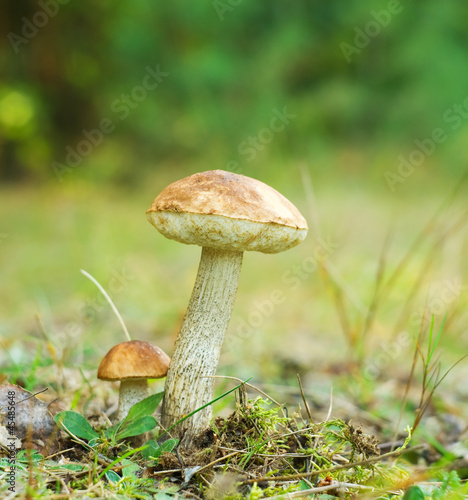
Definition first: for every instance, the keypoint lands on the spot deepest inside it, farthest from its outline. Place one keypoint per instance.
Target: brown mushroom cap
(228, 211)
(134, 359)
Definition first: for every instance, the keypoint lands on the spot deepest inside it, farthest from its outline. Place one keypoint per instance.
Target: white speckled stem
(198, 345)
(131, 392)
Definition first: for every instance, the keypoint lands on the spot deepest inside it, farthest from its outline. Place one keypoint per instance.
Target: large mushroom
(226, 214)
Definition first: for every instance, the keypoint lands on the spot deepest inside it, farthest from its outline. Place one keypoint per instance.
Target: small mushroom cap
(134, 359)
(227, 211)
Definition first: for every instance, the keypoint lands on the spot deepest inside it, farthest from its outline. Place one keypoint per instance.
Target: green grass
(55, 327)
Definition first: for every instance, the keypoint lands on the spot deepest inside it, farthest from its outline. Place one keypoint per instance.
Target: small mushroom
(226, 214)
(133, 363)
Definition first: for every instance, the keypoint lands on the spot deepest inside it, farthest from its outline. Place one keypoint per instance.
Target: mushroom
(226, 214)
(133, 363)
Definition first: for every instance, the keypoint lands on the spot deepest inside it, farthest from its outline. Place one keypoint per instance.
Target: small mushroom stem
(198, 346)
(131, 391)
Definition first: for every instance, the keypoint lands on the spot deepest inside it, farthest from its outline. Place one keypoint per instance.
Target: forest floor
(343, 370)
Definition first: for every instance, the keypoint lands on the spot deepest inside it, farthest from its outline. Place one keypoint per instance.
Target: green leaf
(414, 493)
(144, 408)
(76, 424)
(27, 456)
(129, 468)
(154, 450)
(118, 459)
(111, 431)
(303, 486)
(112, 476)
(136, 427)
(72, 467)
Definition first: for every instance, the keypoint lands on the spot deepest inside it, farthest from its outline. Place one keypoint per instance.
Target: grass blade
(109, 300)
(204, 406)
(432, 347)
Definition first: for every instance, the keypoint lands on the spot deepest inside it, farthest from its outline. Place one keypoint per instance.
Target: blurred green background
(102, 104)
(228, 65)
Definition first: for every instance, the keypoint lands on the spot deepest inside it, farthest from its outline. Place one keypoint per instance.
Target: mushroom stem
(198, 346)
(131, 391)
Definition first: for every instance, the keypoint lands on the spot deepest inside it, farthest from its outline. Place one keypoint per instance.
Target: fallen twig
(320, 489)
(330, 469)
